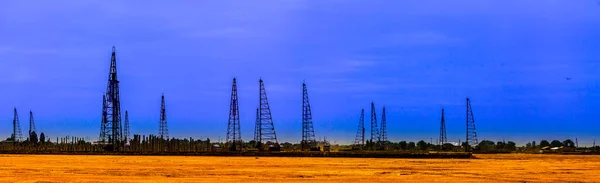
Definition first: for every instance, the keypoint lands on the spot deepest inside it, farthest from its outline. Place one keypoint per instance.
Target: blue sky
(510, 57)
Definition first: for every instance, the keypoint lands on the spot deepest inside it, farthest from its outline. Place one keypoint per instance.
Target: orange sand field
(487, 168)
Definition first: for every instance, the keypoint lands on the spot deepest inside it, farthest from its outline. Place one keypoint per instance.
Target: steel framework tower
(266, 128)
(308, 131)
(111, 131)
(443, 139)
(126, 127)
(31, 123)
(16, 135)
(383, 130)
(233, 127)
(375, 138)
(257, 126)
(163, 130)
(103, 122)
(471, 133)
(360, 133)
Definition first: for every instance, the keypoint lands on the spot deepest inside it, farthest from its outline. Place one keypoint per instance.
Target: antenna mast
(443, 138)
(308, 132)
(126, 127)
(233, 127)
(163, 130)
(16, 136)
(374, 129)
(31, 123)
(471, 133)
(383, 130)
(360, 133)
(111, 131)
(267, 129)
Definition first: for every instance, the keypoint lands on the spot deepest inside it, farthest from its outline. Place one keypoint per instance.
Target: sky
(530, 68)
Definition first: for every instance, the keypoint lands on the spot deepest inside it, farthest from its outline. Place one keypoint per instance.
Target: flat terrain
(487, 168)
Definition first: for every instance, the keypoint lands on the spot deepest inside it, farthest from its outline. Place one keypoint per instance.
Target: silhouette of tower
(111, 130)
(471, 133)
(383, 130)
(103, 122)
(163, 130)
(257, 126)
(31, 123)
(16, 135)
(266, 128)
(375, 138)
(308, 132)
(443, 139)
(126, 127)
(359, 141)
(233, 127)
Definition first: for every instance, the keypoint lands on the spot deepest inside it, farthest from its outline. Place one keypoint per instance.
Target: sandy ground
(487, 168)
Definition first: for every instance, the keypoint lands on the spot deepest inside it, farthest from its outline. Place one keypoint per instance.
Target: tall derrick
(442, 139)
(163, 130)
(126, 127)
(359, 141)
(233, 127)
(103, 122)
(257, 126)
(16, 135)
(111, 131)
(471, 133)
(383, 130)
(308, 132)
(375, 138)
(31, 123)
(266, 129)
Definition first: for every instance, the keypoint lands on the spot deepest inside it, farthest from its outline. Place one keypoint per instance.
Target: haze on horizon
(530, 67)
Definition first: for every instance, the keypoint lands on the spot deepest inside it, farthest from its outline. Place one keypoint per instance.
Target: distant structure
(257, 126)
(163, 130)
(16, 135)
(233, 126)
(111, 133)
(266, 129)
(103, 122)
(126, 127)
(31, 123)
(471, 133)
(359, 141)
(383, 131)
(443, 138)
(308, 132)
(375, 138)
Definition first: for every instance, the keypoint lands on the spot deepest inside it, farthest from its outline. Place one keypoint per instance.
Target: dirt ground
(487, 168)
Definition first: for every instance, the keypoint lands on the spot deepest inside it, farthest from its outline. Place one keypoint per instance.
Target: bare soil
(485, 168)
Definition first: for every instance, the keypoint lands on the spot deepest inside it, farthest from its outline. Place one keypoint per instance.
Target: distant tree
(528, 145)
(287, 145)
(368, 143)
(569, 143)
(500, 145)
(511, 146)
(533, 145)
(556, 143)
(486, 146)
(402, 145)
(544, 143)
(33, 138)
(448, 147)
(432, 146)
(422, 145)
(411, 146)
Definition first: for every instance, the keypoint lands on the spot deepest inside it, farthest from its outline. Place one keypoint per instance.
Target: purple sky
(510, 57)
